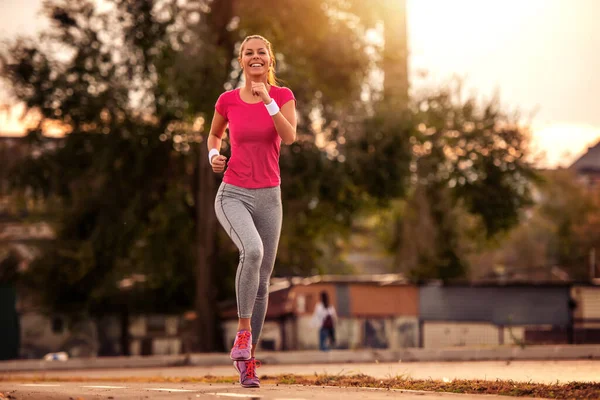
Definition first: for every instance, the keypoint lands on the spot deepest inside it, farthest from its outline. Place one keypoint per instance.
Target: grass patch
(572, 390)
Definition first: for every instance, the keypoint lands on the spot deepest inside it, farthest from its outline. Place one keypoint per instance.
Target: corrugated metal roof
(381, 279)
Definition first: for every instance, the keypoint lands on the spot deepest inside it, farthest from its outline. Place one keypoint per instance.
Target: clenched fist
(259, 89)
(218, 163)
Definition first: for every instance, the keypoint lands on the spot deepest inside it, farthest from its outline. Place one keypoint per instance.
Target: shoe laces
(251, 366)
(243, 337)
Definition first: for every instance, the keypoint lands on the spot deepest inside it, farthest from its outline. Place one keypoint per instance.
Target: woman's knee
(263, 289)
(254, 253)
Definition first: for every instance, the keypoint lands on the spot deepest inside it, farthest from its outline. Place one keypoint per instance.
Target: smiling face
(256, 58)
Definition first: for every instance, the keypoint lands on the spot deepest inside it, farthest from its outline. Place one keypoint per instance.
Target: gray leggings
(252, 219)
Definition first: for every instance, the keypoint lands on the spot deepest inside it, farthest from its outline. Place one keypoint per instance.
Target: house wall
(270, 338)
(591, 180)
(588, 305)
(41, 334)
(155, 334)
(381, 301)
(149, 334)
(358, 333)
(456, 334)
(404, 333)
(369, 315)
(366, 300)
(306, 297)
(382, 317)
(511, 305)
(348, 333)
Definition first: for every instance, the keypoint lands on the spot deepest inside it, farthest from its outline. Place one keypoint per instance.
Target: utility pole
(395, 54)
(207, 320)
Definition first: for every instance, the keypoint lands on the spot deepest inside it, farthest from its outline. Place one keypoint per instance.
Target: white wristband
(272, 108)
(211, 153)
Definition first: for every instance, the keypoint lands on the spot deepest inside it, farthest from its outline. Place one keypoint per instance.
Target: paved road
(92, 391)
(96, 384)
(523, 371)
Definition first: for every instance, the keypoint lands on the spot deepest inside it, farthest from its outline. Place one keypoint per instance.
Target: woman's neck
(248, 84)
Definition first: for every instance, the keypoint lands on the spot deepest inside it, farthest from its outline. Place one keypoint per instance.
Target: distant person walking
(325, 318)
(260, 115)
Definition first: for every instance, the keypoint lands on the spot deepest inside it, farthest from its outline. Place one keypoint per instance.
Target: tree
(470, 181)
(554, 237)
(122, 171)
(586, 243)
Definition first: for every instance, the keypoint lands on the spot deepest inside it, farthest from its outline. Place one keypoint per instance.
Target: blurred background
(444, 187)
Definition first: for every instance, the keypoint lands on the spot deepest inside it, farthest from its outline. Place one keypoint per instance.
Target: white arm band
(211, 153)
(272, 108)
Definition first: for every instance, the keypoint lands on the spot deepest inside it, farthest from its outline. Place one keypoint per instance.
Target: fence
(498, 315)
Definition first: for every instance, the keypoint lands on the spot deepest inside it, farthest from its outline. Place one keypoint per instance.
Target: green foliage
(320, 199)
(469, 162)
(559, 230)
(379, 158)
(567, 205)
(114, 172)
(479, 153)
(321, 55)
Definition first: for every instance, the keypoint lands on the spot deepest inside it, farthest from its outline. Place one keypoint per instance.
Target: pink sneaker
(242, 346)
(247, 371)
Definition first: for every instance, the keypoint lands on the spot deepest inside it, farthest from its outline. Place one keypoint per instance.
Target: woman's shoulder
(282, 90)
(225, 100)
(282, 94)
(229, 94)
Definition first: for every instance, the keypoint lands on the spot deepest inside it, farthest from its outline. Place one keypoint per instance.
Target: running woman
(260, 116)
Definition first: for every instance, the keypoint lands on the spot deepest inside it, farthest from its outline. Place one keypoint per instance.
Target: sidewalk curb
(561, 352)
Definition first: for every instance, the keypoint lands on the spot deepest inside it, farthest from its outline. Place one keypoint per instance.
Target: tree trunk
(206, 228)
(124, 322)
(206, 222)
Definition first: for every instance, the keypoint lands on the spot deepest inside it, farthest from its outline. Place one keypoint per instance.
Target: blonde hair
(271, 78)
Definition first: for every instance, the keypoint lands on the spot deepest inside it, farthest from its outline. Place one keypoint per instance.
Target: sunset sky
(541, 56)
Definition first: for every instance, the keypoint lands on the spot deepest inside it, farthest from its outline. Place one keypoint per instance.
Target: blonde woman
(260, 115)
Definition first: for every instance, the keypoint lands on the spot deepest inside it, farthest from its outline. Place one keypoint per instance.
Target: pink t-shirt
(255, 143)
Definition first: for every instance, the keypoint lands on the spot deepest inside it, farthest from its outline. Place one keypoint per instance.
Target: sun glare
(497, 46)
(10, 123)
(561, 145)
